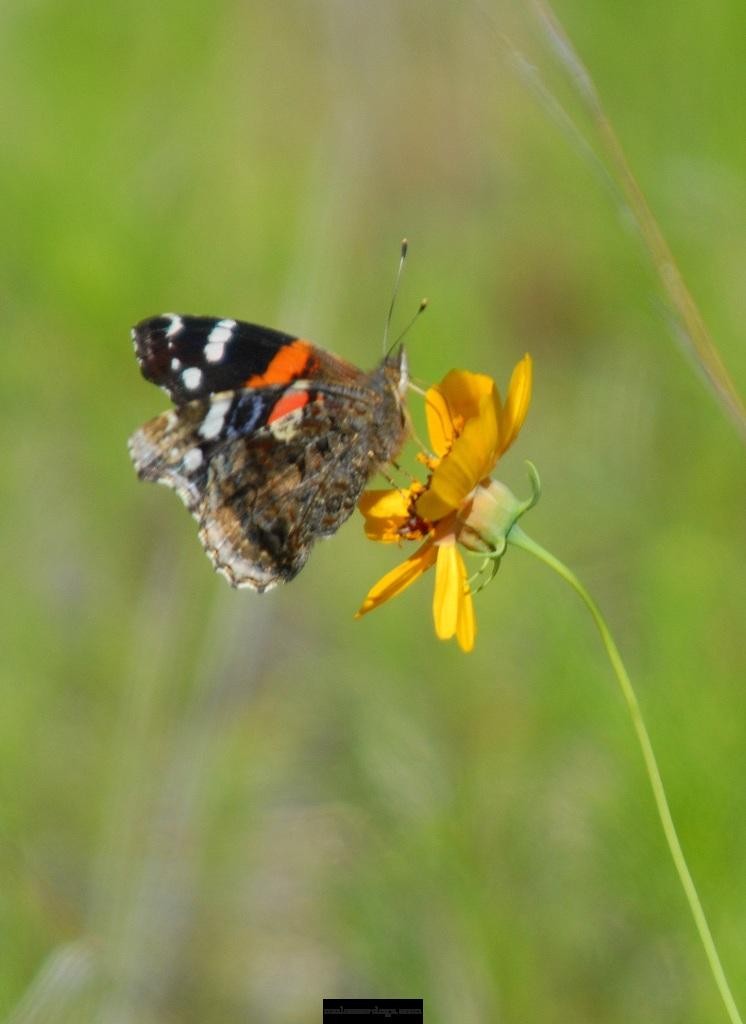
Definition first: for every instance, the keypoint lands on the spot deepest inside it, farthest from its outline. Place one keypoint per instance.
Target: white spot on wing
(214, 351)
(222, 331)
(217, 339)
(215, 418)
(176, 365)
(192, 378)
(175, 326)
(193, 459)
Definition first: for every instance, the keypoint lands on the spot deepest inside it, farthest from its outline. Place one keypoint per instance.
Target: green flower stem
(521, 540)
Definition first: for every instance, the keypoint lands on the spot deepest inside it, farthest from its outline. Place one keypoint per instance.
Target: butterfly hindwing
(262, 495)
(272, 494)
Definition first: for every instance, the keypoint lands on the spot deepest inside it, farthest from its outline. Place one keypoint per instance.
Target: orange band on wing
(290, 362)
(288, 403)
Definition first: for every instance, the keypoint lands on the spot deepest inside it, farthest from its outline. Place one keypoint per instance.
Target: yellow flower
(469, 431)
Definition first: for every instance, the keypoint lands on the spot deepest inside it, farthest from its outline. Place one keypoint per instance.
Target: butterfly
(271, 439)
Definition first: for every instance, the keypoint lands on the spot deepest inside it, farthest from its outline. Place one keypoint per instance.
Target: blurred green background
(219, 807)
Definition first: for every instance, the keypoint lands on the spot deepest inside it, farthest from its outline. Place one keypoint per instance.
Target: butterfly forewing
(193, 356)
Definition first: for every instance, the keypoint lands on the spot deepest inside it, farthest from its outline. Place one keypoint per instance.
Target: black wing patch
(191, 357)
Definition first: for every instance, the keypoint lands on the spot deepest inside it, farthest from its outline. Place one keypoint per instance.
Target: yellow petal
(463, 391)
(400, 578)
(517, 403)
(385, 504)
(470, 460)
(466, 627)
(388, 514)
(452, 402)
(445, 598)
(453, 608)
(440, 427)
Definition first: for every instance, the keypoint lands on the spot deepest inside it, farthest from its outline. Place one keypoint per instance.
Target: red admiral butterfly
(271, 440)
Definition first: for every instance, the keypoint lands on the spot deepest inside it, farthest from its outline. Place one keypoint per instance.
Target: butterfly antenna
(402, 258)
(420, 309)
